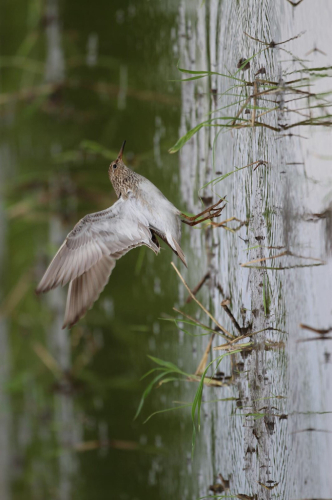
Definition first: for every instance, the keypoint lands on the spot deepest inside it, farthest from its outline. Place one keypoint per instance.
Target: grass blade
(167, 409)
(168, 365)
(185, 138)
(147, 392)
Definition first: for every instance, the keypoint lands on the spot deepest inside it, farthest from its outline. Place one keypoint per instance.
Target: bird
(140, 216)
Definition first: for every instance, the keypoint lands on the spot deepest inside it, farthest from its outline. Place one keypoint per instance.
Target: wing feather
(111, 232)
(84, 290)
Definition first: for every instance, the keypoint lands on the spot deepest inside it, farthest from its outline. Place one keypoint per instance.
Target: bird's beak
(121, 150)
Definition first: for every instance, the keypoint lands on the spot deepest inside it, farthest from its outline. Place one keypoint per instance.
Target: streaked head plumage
(121, 176)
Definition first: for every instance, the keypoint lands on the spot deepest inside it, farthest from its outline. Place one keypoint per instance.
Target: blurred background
(76, 79)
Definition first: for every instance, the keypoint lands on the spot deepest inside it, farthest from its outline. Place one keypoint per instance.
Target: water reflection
(5, 406)
(71, 397)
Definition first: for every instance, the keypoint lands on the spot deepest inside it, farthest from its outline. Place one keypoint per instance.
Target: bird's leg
(194, 217)
(211, 216)
(212, 212)
(208, 217)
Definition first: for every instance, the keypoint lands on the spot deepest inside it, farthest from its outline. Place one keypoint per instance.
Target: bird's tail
(178, 251)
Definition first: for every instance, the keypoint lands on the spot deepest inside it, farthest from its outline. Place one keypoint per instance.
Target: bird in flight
(88, 255)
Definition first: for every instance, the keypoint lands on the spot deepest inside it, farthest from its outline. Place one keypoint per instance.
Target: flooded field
(236, 349)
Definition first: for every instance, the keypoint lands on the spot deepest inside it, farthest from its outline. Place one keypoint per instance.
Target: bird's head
(119, 174)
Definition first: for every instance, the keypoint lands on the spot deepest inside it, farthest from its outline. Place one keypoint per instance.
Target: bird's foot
(212, 212)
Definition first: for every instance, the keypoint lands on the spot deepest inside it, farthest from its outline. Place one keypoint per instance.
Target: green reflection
(76, 79)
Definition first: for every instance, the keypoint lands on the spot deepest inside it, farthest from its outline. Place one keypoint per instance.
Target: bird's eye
(114, 165)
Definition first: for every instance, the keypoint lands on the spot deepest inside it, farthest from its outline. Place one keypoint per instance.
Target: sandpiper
(89, 253)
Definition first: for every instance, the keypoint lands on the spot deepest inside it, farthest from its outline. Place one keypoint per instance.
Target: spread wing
(84, 290)
(87, 256)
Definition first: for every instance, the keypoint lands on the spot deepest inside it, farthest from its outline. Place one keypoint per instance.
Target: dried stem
(282, 254)
(316, 330)
(191, 318)
(231, 342)
(198, 287)
(202, 365)
(227, 334)
(224, 305)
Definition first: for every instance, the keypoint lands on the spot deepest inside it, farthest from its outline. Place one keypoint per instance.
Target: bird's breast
(161, 214)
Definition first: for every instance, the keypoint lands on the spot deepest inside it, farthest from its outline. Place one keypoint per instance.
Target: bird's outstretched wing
(84, 290)
(87, 256)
